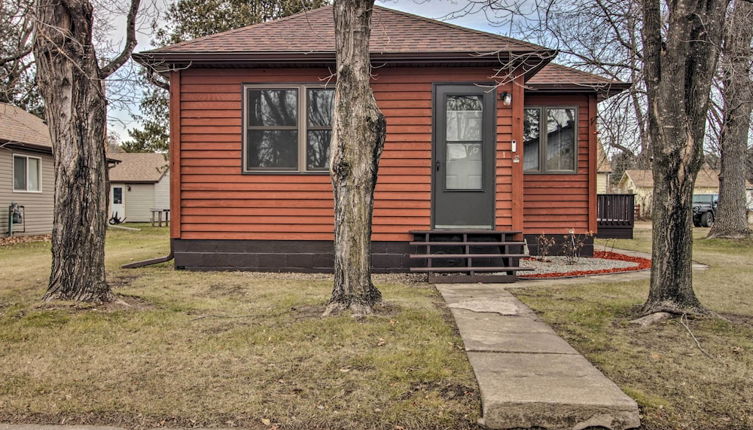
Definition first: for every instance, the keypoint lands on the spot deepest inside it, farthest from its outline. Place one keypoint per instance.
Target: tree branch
(17, 56)
(129, 44)
(152, 78)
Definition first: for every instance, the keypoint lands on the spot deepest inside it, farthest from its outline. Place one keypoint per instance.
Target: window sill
(28, 192)
(286, 172)
(571, 172)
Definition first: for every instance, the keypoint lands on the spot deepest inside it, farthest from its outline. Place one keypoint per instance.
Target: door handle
(436, 165)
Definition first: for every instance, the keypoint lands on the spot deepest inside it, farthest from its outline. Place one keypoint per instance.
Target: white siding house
(641, 183)
(26, 172)
(138, 184)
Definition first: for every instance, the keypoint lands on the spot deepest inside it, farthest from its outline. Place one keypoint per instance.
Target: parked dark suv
(704, 209)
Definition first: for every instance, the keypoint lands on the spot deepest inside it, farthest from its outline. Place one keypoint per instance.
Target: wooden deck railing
(615, 216)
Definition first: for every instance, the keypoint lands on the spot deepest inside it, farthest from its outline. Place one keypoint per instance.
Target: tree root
(107, 297)
(656, 312)
(730, 235)
(674, 308)
(651, 319)
(358, 310)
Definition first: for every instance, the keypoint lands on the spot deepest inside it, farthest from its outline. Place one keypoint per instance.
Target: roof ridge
(460, 27)
(235, 30)
(319, 10)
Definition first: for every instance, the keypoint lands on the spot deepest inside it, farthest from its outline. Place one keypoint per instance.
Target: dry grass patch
(225, 349)
(661, 367)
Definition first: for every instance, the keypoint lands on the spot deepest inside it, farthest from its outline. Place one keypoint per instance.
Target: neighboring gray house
(138, 184)
(26, 171)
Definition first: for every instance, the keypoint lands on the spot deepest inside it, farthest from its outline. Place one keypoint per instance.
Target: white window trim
(302, 125)
(39, 173)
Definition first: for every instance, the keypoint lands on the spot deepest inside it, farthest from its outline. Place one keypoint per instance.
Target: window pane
(117, 195)
(464, 118)
(560, 139)
(19, 173)
(317, 149)
(531, 139)
(33, 174)
(320, 106)
(272, 108)
(463, 166)
(272, 148)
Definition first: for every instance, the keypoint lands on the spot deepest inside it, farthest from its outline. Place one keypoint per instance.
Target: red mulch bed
(643, 264)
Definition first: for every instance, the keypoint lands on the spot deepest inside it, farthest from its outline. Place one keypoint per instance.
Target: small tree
(680, 54)
(357, 143)
(72, 84)
(737, 96)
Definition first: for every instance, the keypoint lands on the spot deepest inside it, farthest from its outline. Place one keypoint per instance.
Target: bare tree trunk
(731, 217)
(679, 67)
(357, 143)
(72, 85)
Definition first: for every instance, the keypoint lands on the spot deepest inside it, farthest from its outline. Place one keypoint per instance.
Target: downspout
(144, 263)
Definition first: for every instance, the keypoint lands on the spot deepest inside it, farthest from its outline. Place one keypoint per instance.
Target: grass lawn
(224, 350)
(675, 384)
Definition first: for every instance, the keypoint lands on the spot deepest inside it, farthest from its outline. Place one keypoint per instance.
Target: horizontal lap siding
(38, 206)
(218, 202)
(554, 204)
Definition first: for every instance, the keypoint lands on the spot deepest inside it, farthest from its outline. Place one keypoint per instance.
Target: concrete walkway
(530, 377)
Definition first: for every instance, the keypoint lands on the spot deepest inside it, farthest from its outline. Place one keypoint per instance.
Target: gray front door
(464, 138)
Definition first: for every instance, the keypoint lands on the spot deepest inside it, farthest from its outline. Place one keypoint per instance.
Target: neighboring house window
(550, 139)
(287, 128)
(27, 173)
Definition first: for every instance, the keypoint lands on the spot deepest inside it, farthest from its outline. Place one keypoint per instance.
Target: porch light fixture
(506, 98)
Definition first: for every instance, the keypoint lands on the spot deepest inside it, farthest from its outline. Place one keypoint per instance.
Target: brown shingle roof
(707, 178)
(558, 77)
(19, 126)
(138, 167)
(314, 32)
(395, 36)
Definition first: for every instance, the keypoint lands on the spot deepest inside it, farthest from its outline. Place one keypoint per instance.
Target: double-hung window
(287, 128)
(27, 174)
(550, 139)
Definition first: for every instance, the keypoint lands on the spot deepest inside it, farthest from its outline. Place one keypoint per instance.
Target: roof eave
(602, 90)
(132, 181)
(27, 146)
(226, 59)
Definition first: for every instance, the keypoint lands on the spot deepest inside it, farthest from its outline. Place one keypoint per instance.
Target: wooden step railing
(615, 216)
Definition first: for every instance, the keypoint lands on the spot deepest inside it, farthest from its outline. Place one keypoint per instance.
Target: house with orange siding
(489, 145)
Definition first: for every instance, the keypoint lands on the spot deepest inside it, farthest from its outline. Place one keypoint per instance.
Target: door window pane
(317, 149)
(464, 117)
(272, 149)
(464, 167)
(34, 174)
(117, 195)
(531, 139)
(19, 173)
(320, 104)
(560, 138)
(272, 107)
